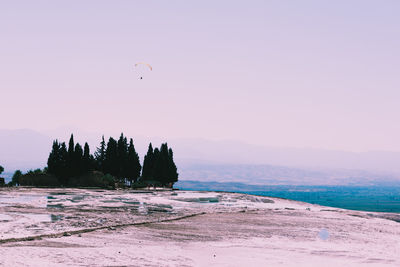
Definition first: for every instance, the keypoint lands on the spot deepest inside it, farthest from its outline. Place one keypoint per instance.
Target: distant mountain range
(279, 175)
(381, 189)
(224, 161)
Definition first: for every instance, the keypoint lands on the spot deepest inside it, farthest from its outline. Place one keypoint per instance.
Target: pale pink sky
(322, 74)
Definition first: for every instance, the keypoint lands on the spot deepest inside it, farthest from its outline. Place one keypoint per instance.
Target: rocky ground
(82, 227)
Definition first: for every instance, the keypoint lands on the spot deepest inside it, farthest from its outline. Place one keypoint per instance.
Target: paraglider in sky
(146, 64)
(139, 68)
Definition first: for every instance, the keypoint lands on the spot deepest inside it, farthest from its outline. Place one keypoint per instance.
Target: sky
(316, 74)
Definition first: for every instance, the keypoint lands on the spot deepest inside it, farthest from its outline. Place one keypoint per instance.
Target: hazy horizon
(223, 161)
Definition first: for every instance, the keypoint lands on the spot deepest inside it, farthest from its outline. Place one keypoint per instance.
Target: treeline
(113, 162)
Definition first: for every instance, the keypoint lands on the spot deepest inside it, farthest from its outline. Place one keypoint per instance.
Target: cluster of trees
(65, 163)
(116, 158)
(119, 159)
(114, 161)
(159, 166)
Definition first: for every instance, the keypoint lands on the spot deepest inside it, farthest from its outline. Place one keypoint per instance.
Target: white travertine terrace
(59, 227)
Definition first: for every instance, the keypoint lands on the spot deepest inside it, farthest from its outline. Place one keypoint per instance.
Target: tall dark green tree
(122, 147)
(77, 160)
(53, 162)
(111, 164)
(71, 168)
(71, 147)
(157, 169)
(163, 161)
(100, 155)
(57, 163)
(172, 169)
(1, 169)
(133, 166)
(64, 173)
(87, 159)
(148, 164)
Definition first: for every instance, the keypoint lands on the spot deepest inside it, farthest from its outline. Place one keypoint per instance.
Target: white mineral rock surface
(82, 227)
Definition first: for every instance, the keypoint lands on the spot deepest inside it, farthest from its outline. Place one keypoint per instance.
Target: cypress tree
(87, 158)
(157, 168)
(70, 158)
(71, 146)
(100, 155)
(163, 165)
(53, 162)
(77, 160)
(63, 172)
(148, 164)
(172, 169)
(122, 146)
(133, 167)
(111, 165)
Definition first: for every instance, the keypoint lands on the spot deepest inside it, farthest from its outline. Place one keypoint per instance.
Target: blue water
(366, 198)
(355, 198)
